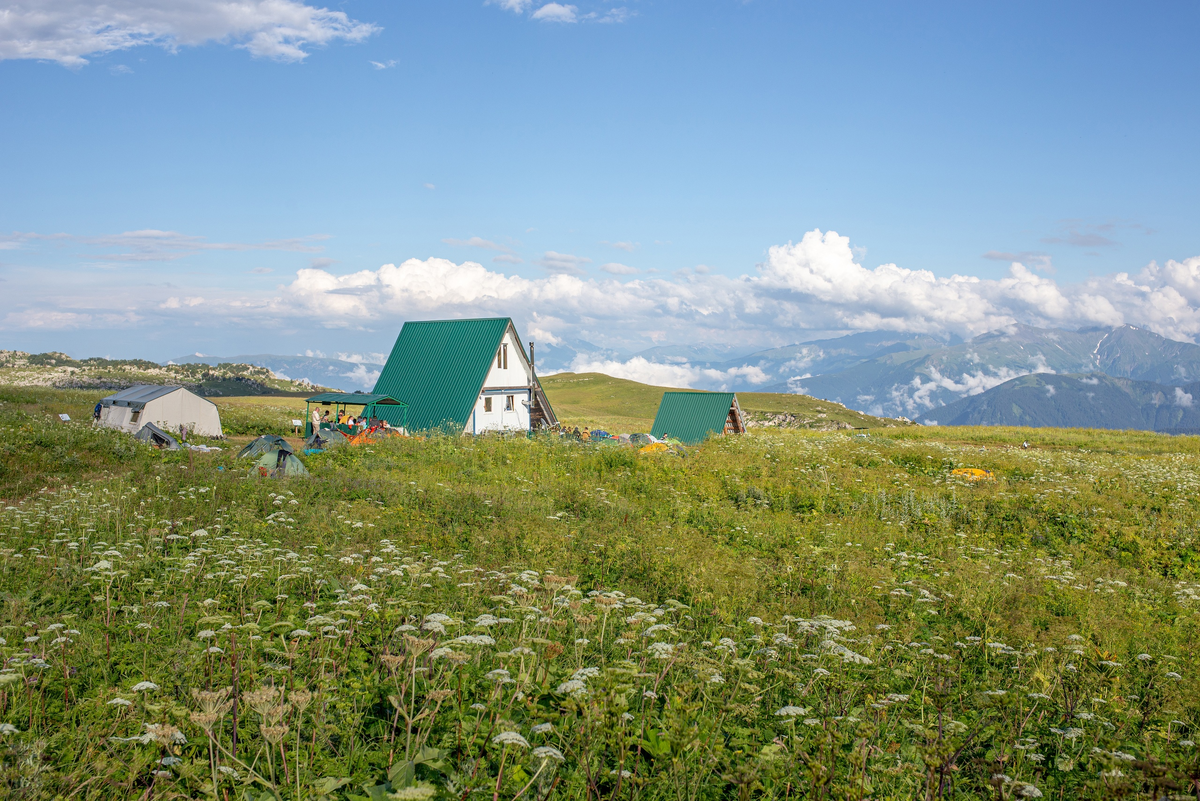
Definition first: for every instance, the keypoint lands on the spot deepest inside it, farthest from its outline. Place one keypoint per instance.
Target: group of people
(343, 418)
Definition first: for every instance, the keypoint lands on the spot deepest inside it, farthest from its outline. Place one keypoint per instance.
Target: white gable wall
(501, 382)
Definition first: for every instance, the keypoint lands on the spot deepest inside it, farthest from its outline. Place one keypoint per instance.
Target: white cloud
(628, 247)
(477, 242)
(363, 376)
(563, 263)
(508, 258)
(429, 186)
(615, 15)
(616, 268)
(670, 375)
(802, 290)
(556, 12)
(67, 31)
(153, 245)
(515, 6)
(384, 65)
(1050, 390)
(1183, 399)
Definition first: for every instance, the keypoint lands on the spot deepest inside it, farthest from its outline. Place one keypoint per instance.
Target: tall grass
(778, 616)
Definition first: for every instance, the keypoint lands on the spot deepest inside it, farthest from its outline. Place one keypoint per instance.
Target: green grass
(787, 614)
(623, 406)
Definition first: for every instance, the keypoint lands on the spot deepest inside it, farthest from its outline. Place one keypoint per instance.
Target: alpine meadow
(784, 614)
(599, 400)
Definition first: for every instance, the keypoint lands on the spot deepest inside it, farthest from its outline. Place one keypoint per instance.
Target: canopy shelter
(383, 407)
(692, 417)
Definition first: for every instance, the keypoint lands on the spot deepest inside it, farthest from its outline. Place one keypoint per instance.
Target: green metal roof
(438, 368)
(691, 417)
(353, 398)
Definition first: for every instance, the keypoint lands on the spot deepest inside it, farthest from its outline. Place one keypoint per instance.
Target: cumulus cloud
(1183, 399)
(516, 6)
(802, 290)
(556, 12)
(561, 12)
(670, 375)
(66, 31)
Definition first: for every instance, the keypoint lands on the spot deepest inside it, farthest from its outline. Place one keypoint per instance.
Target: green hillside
(619, 405)
(60, 371)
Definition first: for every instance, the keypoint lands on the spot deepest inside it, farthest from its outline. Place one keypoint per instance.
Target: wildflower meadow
(782, 615)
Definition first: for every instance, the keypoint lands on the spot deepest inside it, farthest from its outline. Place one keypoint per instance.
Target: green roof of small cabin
(438, 367)
(691, 417)
(352, 399)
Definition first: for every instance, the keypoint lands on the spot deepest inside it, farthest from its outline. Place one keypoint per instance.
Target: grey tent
(166, 406)
(324, 438)
(278, 464)
(265, 444)
(153, 435)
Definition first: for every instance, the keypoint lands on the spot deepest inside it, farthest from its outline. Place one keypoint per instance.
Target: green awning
(354, 399)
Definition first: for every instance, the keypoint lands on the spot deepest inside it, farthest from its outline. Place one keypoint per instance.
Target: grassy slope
(623, 406)
(780, 522)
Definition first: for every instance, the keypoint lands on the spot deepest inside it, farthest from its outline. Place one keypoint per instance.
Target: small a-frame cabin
(464, 376)
(692, 417)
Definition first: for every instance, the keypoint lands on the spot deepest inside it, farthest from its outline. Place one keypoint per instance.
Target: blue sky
(631, 177)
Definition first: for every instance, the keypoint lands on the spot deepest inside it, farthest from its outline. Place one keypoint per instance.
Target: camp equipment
(166, 406)
(325, 438)
(265, 444)
(153, 435)
(973, 474)
(692, 417)
(278, 464)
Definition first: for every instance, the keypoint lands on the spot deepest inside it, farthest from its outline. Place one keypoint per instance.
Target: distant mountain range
(1077, 401)
(1123, 377)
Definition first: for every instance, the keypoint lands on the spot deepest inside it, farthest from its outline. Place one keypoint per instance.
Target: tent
(265, 444)
(692, 417)
(325, 438)
(153, 435)
(165, 406)
(278, 464)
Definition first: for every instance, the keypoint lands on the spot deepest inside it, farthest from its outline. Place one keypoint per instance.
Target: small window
(508, 403)
(136, 416)
(499, 358)
(504, 350)
(487, 404)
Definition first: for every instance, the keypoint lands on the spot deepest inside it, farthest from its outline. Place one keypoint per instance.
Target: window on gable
(504, 350)
(508, 403)
(499, 358)
(487, 404)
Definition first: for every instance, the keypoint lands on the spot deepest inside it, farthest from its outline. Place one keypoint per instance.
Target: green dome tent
(278, 464)
(267, 443)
